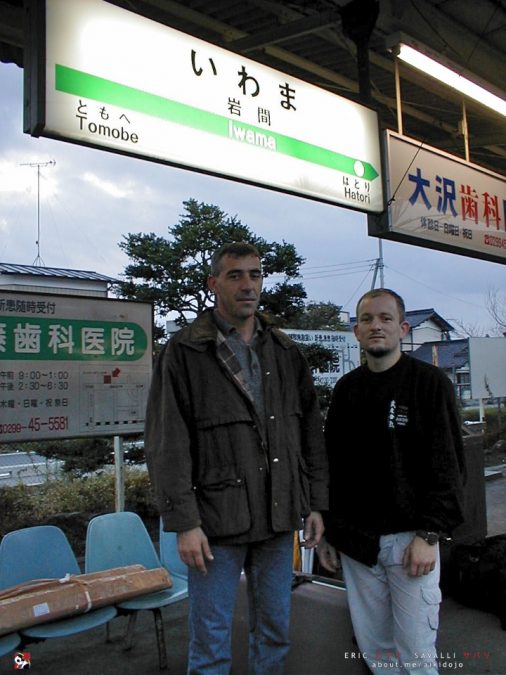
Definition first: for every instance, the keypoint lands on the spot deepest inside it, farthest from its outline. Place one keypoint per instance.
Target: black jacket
(395, 454)
(212, 462)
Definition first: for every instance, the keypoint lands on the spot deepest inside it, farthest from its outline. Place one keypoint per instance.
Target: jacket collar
(204, 330)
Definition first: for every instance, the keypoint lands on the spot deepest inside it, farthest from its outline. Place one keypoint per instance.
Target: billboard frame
(355, 198)
(380, 225)
(81, 377)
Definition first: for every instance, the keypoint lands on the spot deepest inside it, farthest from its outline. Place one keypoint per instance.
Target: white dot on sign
(359, 168)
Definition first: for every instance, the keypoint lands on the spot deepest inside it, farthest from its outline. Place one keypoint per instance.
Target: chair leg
(129, 638)
(160, 639)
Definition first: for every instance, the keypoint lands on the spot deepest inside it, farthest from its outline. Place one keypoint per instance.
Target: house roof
(35, 270)
(450, 353)
(418, 316)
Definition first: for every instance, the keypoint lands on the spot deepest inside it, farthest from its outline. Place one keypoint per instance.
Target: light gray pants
(395, 617)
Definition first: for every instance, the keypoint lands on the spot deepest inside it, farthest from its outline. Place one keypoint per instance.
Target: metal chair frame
(121, 538)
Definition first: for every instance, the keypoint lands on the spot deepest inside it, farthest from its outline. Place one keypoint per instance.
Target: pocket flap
(432, 596)
(230, 417)
(220, 477)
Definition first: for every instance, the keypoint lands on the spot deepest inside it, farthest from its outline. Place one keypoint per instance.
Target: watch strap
(431, 538)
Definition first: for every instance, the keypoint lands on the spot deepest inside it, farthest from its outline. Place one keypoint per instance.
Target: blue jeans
(268, 566)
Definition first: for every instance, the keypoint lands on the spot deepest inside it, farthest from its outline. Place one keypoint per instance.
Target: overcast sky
(90, 198)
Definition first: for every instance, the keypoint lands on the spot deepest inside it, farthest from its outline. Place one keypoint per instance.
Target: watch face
(430, 537)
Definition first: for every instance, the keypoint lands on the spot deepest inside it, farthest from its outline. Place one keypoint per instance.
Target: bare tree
(496, 307)
(469, 329)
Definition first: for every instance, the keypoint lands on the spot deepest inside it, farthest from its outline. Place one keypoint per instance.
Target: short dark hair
(237, 249)
(376, 292)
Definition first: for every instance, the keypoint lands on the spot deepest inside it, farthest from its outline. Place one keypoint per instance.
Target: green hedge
(70, 503)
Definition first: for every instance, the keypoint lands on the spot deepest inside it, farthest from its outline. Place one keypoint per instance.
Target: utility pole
(378, 267)
(380, 262)
(38, 260)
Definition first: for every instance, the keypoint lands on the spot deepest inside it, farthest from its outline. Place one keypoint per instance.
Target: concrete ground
(470, 641)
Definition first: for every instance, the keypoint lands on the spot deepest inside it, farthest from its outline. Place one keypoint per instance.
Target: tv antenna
(38, 260)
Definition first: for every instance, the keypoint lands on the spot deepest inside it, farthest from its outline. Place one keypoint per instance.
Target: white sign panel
(120, 81)
(487, 366)
(441, 200)
(72, 366)
(342, 343)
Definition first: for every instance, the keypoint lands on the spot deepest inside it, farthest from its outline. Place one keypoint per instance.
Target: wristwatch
(431, 538)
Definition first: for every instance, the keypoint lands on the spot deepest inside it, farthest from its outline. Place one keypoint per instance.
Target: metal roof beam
(286, 31)
(11, 24)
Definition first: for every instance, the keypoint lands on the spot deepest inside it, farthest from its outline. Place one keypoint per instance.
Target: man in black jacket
(396, 470)
(236, 454)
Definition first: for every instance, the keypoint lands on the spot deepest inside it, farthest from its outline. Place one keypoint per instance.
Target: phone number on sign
(36, 424)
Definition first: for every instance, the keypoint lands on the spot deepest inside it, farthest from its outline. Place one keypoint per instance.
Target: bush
(70, 503)
(495, 423)
(139, 496)
(16, 507)
(80, 455)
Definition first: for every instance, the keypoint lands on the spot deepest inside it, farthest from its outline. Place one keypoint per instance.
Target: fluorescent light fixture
(429, 66)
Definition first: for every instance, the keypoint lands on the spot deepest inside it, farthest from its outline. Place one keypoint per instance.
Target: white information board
(342, 343)
(72, 366)
(487, 367)
(117, 80)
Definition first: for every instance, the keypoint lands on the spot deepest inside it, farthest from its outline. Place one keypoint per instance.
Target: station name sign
(109, 78)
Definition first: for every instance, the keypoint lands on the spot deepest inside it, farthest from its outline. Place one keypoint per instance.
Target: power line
(344, 273)
(331, 270)
(354, 292)
(345, 264)
(435, 290)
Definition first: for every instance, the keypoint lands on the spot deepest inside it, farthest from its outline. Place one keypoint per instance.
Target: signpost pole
(119, 473)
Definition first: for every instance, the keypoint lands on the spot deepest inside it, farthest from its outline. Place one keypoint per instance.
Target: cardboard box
(46, 600)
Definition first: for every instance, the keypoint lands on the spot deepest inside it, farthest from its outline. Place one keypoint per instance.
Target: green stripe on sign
(76, 82)
(55, 339)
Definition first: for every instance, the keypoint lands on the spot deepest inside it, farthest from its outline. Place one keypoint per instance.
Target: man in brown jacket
(236, 455)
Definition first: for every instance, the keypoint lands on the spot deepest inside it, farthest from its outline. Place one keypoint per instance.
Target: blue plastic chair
(44, 552)
(8, 643)
(118, 539)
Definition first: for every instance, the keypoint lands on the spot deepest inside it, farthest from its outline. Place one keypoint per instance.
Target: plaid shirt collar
(226, 354)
